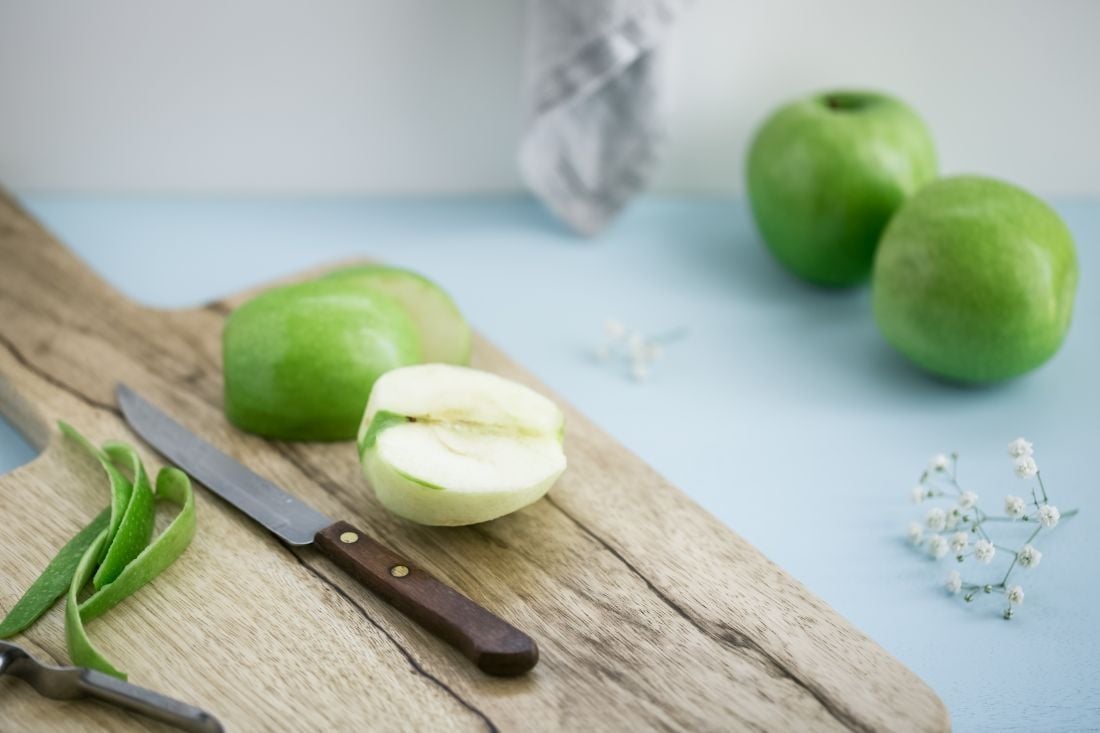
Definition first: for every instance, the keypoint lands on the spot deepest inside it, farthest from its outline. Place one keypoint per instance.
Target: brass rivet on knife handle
(349, 537)
(490, 642)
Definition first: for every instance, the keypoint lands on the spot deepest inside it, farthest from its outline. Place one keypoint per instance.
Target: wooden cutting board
(650, 614)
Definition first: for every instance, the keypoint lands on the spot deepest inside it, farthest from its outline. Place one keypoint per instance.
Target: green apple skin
(299, 361)
(825, 174)
(974, 280)
(445, 336)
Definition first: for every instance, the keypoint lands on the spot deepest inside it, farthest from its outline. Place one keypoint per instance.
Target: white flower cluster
(628, 346)
(939, 463)
(1028, 556)
(1023, 456)
(967, 523)
(1048, 516)
(1015, 507)
(984, 551)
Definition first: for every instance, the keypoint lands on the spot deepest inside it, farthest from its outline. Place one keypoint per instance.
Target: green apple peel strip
(113, 553)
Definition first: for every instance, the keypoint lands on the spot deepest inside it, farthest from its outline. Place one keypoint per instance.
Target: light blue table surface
(783, 412)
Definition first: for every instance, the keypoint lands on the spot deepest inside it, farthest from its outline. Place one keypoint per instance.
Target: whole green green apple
(300, 360)
(974, 280)
(826, 173)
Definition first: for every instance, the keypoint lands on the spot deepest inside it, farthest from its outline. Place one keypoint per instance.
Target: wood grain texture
(649, 613)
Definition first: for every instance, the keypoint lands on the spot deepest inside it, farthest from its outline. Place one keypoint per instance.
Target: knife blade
(494, 645)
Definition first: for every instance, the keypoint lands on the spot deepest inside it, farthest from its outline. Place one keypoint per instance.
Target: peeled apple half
(448, 445)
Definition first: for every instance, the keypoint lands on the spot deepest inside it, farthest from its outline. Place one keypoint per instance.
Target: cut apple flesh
(447, 445)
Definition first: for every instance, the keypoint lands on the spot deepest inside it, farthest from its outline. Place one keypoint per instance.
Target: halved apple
(444, 334)
(300, 360)
(449, 445)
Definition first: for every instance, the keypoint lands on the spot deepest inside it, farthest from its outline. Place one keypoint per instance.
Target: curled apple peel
(449, 445)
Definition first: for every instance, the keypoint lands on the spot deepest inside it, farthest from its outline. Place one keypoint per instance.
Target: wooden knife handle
(490, 642)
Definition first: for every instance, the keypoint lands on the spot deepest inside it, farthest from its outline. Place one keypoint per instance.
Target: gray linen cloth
(593, 103)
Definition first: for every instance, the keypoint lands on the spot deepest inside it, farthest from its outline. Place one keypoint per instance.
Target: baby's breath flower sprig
(966, 521)
(627, 347)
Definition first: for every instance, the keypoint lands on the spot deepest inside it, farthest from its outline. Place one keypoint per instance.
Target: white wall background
(406, 96)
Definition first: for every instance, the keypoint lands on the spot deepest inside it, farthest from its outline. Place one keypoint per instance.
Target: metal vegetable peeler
(72, 683)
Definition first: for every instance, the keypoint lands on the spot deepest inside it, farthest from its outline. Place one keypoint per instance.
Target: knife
(494, 645)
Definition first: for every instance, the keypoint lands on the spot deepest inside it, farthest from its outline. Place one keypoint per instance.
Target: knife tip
(124, 395)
